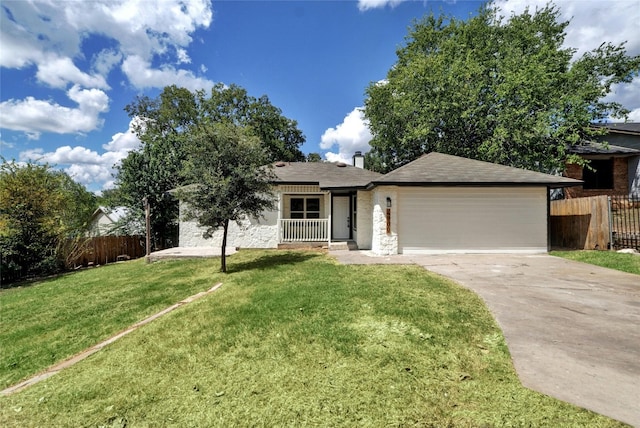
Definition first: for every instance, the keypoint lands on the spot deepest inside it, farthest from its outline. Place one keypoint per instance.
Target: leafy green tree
(314, 157)
(161, 125)
(278, 134)
(151, 172)
(498, 90)
(229, 181)
(165, 125)
(40, 210)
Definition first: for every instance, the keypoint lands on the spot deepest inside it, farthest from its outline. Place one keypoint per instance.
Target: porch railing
(307, 230)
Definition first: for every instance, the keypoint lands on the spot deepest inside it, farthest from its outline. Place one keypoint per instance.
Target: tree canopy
(40, 210)
(314, 157)
(494, 89)
(225, 165)
(167, 124)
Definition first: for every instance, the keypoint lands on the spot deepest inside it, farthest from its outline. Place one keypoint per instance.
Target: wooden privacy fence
(581, 223)
(107, 249)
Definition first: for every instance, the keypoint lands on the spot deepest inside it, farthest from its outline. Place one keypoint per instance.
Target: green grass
(51, 320)
(295, 339)
(610, 259)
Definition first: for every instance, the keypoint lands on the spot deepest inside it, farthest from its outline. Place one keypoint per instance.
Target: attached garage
(447, 204)
(472, 219)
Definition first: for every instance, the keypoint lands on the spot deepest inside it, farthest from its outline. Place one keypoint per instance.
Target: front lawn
(295, 339)
(609, 259)
(51, 320)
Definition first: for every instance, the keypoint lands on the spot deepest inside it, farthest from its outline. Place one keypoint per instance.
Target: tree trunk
(223, 256)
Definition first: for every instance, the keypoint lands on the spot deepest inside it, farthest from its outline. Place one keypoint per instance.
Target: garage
(447, 204)
(472, 219)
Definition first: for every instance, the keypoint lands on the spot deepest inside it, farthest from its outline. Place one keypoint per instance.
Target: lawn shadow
(272, 260)
(34, 280)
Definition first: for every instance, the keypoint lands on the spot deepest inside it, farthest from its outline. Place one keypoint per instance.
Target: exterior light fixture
(388, 215)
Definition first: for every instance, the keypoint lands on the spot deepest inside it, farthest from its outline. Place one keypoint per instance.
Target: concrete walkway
(573, 329)
(189, 252)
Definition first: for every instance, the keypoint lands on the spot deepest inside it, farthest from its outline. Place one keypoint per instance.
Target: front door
(340, 218)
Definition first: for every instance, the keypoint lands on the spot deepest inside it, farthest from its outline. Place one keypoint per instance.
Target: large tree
(278, 134)
(41, 209)
(161, 124)
(229, 181)
(494, 89)
(166, 124)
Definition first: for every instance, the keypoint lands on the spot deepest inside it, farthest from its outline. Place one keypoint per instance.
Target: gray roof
(325, 174)
(595, 148)
(626, 128)
(437, 169)
(114, 214)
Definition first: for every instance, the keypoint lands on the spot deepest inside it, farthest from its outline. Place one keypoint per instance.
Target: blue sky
(69, 68)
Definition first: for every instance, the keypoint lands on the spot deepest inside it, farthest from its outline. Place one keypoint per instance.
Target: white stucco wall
(362, 235)
(381, 242)
(251, 233)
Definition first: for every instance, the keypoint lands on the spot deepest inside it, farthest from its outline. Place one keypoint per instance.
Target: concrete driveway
(573, 329)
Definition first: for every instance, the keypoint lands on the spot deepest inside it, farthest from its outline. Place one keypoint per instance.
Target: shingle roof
(114, 214)
(594, 148)
(326, 174)
(627, 128)
(437, 169)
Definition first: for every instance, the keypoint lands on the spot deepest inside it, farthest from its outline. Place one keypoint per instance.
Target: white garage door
(472, 220)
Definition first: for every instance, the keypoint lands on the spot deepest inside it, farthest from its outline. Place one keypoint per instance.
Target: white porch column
(280, 208)
(328, 201)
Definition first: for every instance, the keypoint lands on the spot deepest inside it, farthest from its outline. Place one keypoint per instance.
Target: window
(305, 207)
(601, 177)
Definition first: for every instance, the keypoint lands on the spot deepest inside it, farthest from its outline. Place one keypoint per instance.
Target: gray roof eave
(553, 185)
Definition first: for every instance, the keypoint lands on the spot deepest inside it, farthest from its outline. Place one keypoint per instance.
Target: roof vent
(341, 164)
(280, 164)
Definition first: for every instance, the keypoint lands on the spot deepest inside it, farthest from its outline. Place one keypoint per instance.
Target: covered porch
(311, 216)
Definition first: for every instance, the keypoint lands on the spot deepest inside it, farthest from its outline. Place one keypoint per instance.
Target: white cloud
(183, 56)
(629, 96)
(105, 60)
(338, 157)
(351, 135)
(365, 5)
(141, 75)
(5, 144)
(35, 116)
(634, 116)
(49, 36)
(86, 166)
(123, 142)
(59, 72)
(140, 27)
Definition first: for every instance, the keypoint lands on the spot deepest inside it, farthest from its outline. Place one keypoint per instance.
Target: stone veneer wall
(252, 233)
(620, 180)
(381, 242)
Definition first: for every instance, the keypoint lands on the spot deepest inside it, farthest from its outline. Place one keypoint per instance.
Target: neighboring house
(105, 221)
(435, 204)
(615, 166)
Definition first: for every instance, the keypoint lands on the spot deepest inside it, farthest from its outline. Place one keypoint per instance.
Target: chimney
(358, 160)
